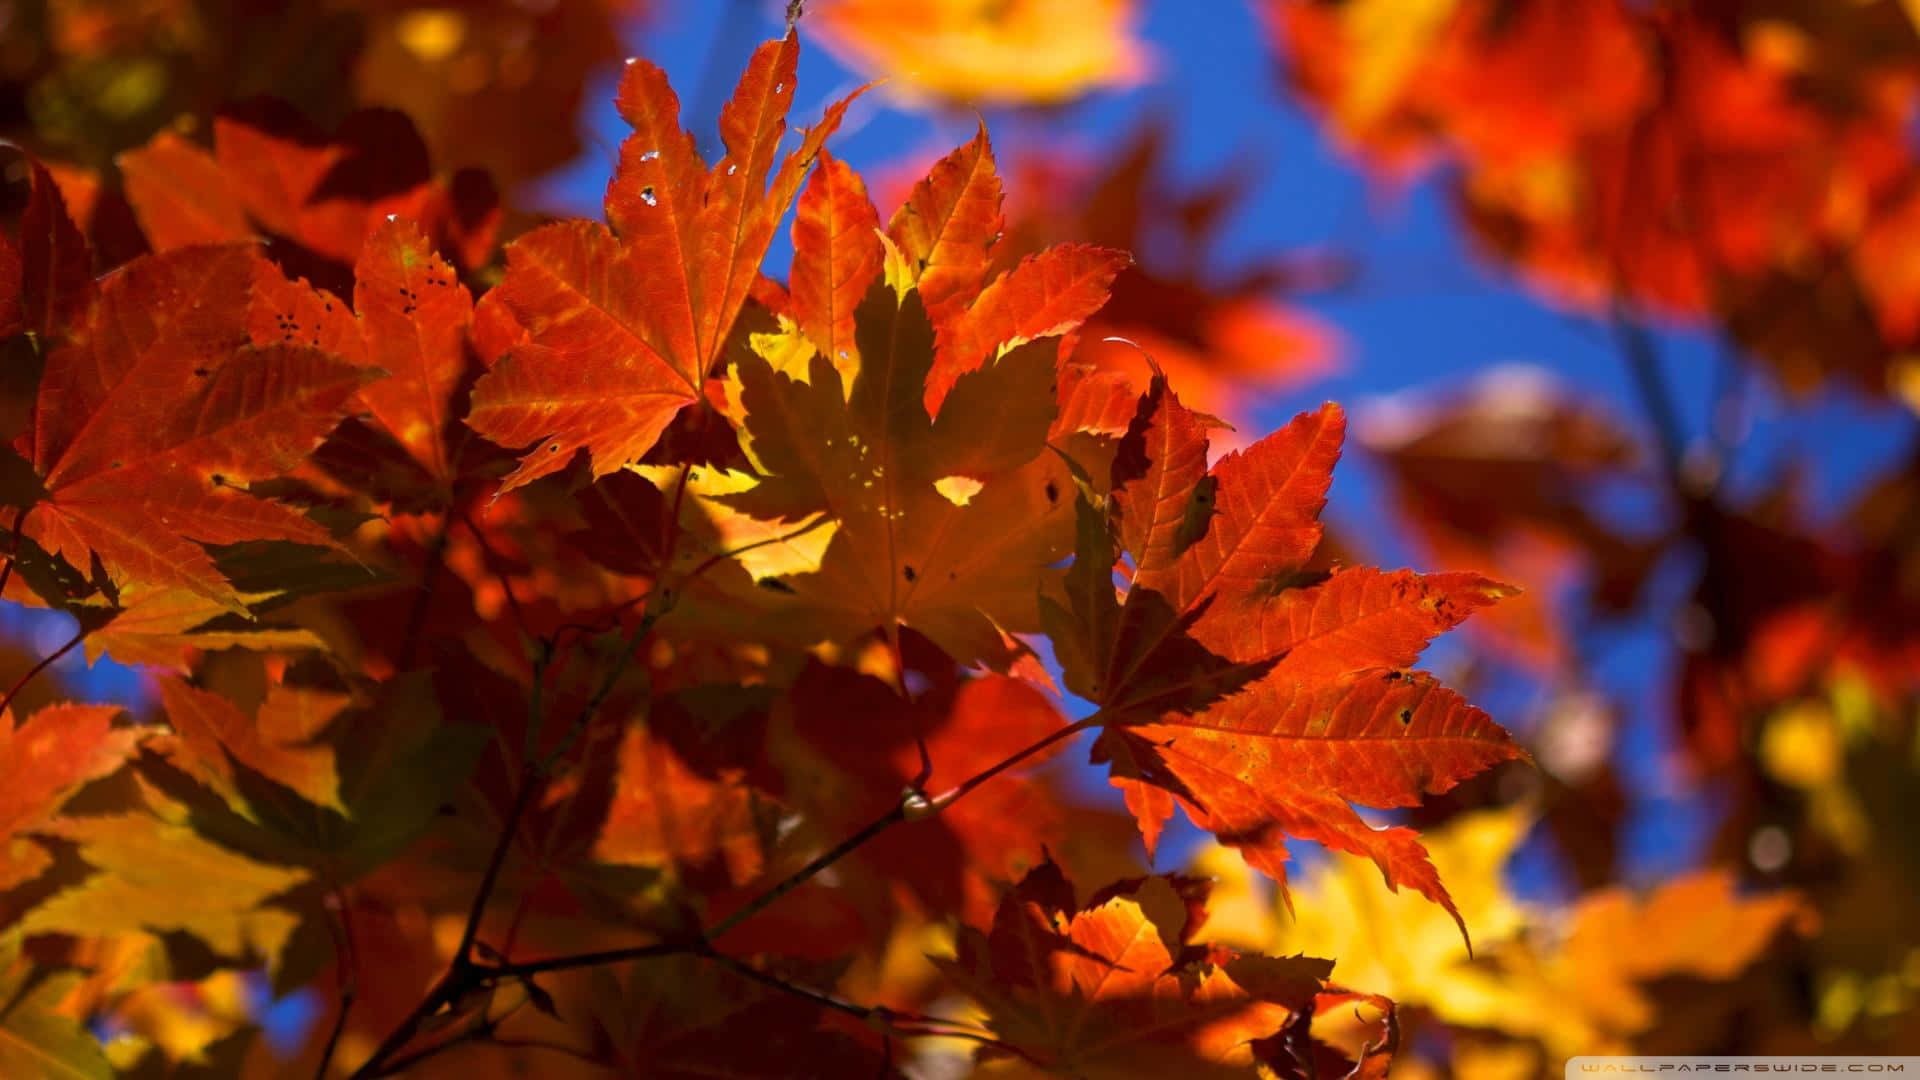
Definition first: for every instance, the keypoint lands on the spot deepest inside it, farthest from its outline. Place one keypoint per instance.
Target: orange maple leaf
(1117, 988)
(617, 329)
(46, 759)
(1262, 697)
(148, 429)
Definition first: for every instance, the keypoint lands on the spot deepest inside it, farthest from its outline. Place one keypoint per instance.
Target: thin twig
(348, 957)
(592, 959)
(44, 664)
(953, 794)
(807, 873)
(832, 1001)
(1643, 362)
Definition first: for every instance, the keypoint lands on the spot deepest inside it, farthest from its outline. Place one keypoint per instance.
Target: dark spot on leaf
(1197, 516)
(1053, 492)
(775, 585)
(553, 448)
(1406, 716)
(200, 371)
(910, 573)
(1394, 676)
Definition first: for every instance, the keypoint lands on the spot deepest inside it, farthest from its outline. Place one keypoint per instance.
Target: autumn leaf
(1117, 987)
(283, 742)
(1698, 924)
(164, 628)
(946, 228)
(622, 327)
(1414, 954)
(46, 282)
(836, 255)
(975, 483)
(163, 414)
(944, 239)
(36, 1038)
(48, 758)
(662, 813)
(149, 876)
(1505, 473)
(410, 320)
(326, 195)
(1222, 329)
(1033, 52)
(182, 195)
(1261, 697)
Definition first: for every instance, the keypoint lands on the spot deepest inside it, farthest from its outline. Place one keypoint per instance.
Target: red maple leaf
(617, 329)
(1262, 697)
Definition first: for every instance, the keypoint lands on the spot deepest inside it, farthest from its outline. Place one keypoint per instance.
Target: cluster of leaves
(1773, 138)
(1746, 169)
(483, 79)
(624, 666)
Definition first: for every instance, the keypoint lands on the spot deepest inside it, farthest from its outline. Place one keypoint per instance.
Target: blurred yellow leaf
(1003, 52)
(1402, 946)
(152, 876)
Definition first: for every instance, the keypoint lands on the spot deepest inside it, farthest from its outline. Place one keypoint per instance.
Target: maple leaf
(836, 255)
(164, 628)
(946, 235)
(411, 319)
(1261, 697)
(48, 758)
(150, 876)
(325, 195)
(973, 484)
(46, 282)
(1220, 329)
(1415, 955)
(1501, 475)
(1620, 944)
(37, 1038)
(282, 742)
(1030, 52)
(662, 813)
(147, 431)
(1117, 988)
(619, 329)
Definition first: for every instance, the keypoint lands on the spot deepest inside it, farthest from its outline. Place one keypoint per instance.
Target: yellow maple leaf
(1005, 52)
